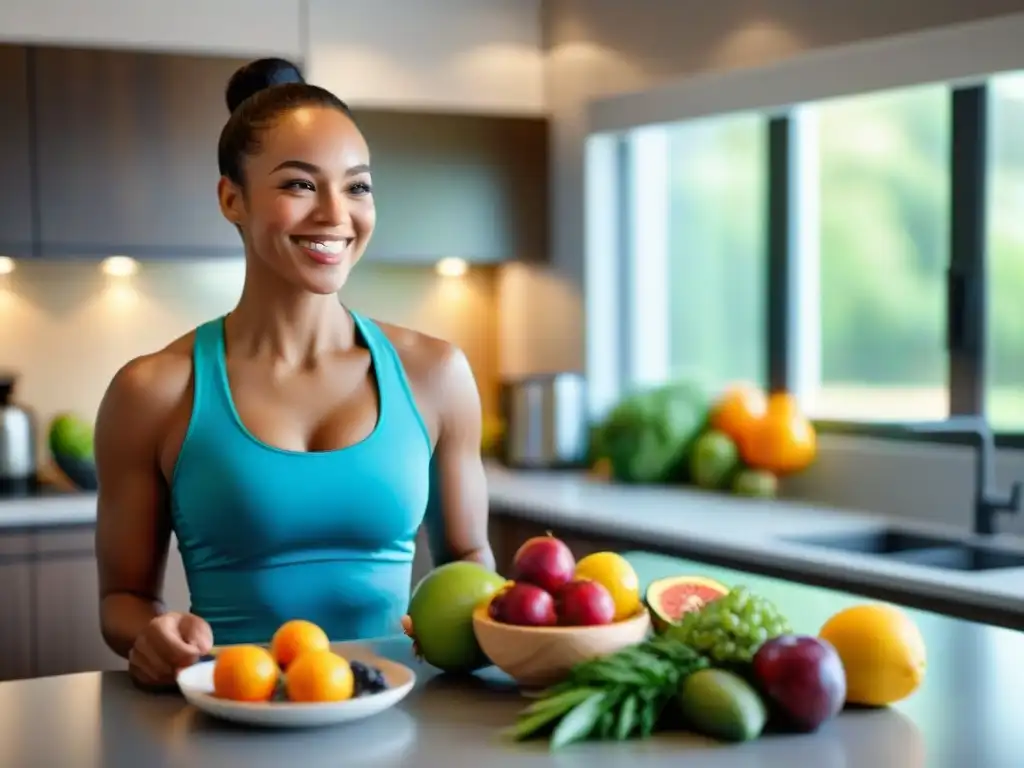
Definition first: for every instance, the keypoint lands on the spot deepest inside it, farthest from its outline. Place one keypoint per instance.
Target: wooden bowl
(537, 657)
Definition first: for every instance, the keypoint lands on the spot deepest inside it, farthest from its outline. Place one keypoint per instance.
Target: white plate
(196, 684)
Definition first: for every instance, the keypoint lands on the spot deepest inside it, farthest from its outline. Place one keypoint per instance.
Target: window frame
(967, 286)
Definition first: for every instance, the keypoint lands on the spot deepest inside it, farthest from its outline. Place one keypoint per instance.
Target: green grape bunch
(732, 628)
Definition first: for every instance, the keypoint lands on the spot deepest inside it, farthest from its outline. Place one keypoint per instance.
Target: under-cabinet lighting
(6, 265)
(119, 266)
(452, 266)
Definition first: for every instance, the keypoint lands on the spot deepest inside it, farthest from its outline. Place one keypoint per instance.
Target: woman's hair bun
(258, 75)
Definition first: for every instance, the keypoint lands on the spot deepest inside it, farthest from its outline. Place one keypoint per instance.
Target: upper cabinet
(127, 153)
(472, 186)
(17, 223)
(108, 152)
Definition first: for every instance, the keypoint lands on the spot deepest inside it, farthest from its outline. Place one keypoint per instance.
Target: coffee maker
(18, 462)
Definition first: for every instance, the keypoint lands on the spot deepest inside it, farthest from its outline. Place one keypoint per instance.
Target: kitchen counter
(965, 714)
(48, 510)
(749, 534)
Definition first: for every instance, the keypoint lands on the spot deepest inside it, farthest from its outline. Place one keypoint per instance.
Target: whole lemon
(882, 650)
(614, 573)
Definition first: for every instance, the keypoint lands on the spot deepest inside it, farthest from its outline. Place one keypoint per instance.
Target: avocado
(722, 705)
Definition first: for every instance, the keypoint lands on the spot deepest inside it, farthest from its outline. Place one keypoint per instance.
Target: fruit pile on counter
(722, 661)
(740, 440)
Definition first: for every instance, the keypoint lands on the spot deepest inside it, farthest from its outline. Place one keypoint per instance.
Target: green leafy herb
(580, 721)
(616, 697)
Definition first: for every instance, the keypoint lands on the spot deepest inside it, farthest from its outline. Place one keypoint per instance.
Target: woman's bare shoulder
(428, 360)
(152, 384)
(441, 376)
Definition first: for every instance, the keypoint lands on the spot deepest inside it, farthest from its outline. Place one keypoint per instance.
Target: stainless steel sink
(880, 541)
(949, 554)
(962, 557)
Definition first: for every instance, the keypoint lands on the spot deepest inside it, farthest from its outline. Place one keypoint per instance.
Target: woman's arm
(457, 512)
(133, 524)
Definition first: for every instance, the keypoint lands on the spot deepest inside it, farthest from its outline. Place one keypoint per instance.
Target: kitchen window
(1004, 233)
(841, 248)
(696, 215)
(873, 231)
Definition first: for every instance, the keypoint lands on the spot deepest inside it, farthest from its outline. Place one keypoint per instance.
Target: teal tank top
(267, 535)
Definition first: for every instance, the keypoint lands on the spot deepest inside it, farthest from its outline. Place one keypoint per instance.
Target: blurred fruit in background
(601, 469)
(741, 441)
(750, 441)
(71, 436)
(492, 433)
(783, 440)
(70, 439)
(758, 483)
(738, 410)
(715, 459)
(648, 436)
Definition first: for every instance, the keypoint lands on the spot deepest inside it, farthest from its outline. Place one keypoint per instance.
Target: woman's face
(307, 210)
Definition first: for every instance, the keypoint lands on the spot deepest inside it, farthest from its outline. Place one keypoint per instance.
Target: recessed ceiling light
(452, 266)
(119, 266)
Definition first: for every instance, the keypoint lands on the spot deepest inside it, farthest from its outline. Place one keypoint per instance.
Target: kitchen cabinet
(17, 215)
(127, 153)
(49, 604)
(16, 620)
(66, 605)
(465, 185)
(16, 660)
(115, 152)
(68, 635)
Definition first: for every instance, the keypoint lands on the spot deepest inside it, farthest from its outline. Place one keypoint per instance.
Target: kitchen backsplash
(66, 328)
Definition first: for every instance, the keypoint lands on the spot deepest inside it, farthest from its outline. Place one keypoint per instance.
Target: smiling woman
(293, 446)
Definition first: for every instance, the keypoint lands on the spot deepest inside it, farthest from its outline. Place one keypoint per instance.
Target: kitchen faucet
(987, 500)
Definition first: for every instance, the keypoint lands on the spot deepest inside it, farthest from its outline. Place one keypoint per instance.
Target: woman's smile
(324, 250)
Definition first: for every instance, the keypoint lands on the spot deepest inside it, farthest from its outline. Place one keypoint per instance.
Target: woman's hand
(169, 642)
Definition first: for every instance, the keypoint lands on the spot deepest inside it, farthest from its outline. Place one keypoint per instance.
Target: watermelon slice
(669, 598)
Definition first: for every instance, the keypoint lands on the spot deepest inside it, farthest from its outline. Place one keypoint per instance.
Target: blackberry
(280, 692)
(367, 679)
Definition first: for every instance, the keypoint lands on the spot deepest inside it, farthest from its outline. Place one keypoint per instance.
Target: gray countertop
(49, 510)
(966, 714)
(751, 533)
